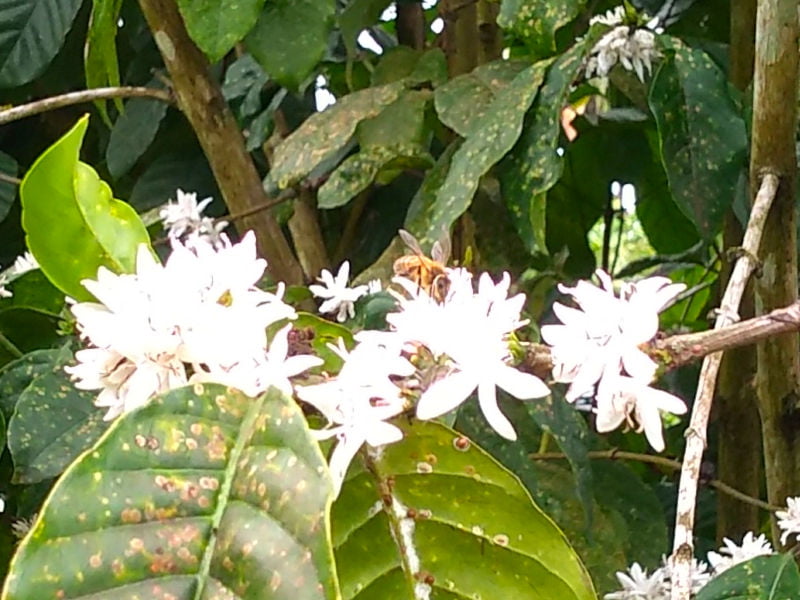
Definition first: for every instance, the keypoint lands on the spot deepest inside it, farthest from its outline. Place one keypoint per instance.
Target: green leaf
(174, 170)
(217, 25)
(773, 577)
(402, 123)
(534, 166)
(72, 223)
(643, 528)
(319, 333)
(434, 510)
(17, 375)
(33, 32)
(357, 16)
(290, 37)
(489, 138)
(324, 133)
(699, 125)
(8, 190)
(561, 421)
(468, 97)
(204, 492)
(357, 172)
(100, 63)
(27, 329)
(415, 66)
(53, 423)
(536, 22)
(133, 132)
(34, 291)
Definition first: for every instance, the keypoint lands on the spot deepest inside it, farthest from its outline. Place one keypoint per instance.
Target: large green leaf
(490, 136)
(8, 189)
(773, 577)
(466, 98)
(323, 134)
(32, 290)
(100, 63)
(32, 33)
(53, 422)
(217, 25)
(290, 38)
(415, 66)
(133, 132)
(536, 21)
(203, 493)
(72, 223)
(702, 134)
(534, 165)
(436, 513)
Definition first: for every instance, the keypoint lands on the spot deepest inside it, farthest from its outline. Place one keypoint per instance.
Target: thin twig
(39, 106)
(285, 195)
(9, 346)
(683, 548)
(661, 461)
(10, 179)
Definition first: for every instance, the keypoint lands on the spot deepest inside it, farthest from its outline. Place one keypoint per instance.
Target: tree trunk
(775, 84)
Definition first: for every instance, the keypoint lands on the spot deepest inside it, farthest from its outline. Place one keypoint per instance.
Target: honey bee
(430, 274)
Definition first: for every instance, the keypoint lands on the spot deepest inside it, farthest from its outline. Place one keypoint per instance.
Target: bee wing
(410, 241)
(441, 249)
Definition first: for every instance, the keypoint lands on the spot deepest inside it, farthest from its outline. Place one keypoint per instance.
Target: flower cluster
(24, 263)
(632, 47)
(637, 584)
(198, 317)
(597, 348)
(456, 347)
(184, 220)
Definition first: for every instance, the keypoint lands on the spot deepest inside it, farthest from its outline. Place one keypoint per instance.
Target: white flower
(634, 49)
(732, 554)
(638, 585)
(789, 519)
(201, 307)
(470, 331)
(612, 17)
(358, 402)
(24, 262)
(627, 399)
(598, 344)
(184, 219)
(256, 374)
(339, 298)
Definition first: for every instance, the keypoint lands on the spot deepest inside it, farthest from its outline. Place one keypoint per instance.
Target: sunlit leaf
(73, 225)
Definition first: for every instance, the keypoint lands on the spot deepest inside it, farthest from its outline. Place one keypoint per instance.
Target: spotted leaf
(203, 493)
(534, 166)
(488, 139)
(536, 22)
(323, 134)
(773, 577)
(436, 516)
(701, 132)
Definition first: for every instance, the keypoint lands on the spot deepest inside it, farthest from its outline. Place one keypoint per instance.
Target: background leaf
(53, 422)
(8, 190)
(702, 135)
(100, 63)
(290, 37)
(323, 134)
(536, 22)
(134, 131)
(217, 25)
(203, 491)
(33, 32)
